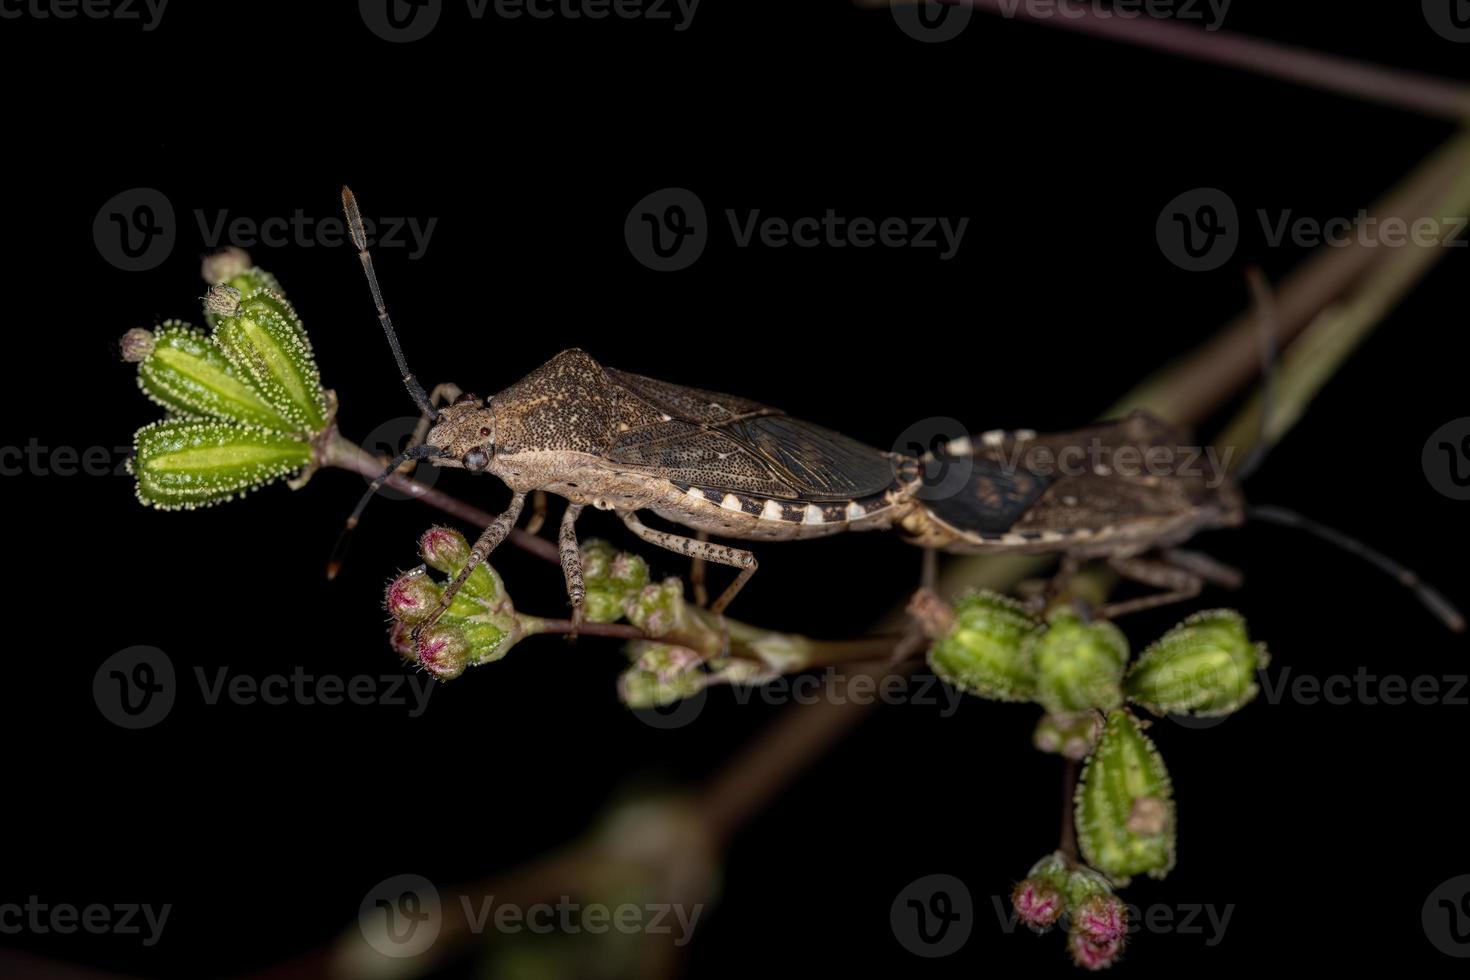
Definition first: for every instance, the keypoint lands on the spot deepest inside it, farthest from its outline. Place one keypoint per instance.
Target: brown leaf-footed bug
(734, 468)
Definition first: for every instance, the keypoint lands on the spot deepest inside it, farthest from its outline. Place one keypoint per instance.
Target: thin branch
(1416, 92)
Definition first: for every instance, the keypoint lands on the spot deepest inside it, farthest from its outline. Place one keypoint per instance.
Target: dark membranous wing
(707, 439)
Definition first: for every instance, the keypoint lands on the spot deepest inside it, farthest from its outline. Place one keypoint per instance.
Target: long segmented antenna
(339, 552)
(359, 240)
(1432, 598)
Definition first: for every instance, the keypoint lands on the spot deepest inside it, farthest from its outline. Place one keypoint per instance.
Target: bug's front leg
(692, 548)
(571, 562)
(496, 532)
(441, 394)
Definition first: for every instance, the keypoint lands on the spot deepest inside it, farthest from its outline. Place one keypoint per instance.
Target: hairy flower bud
(984, 652)
(1079, 665)
(1038, 903)
(1204, 666)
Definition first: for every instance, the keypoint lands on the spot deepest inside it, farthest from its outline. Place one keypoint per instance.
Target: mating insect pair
(736, 469)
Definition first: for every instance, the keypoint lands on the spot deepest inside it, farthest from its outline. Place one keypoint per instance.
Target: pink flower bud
(444, 549)
(1101, 919)
(412, 597)
(1037, 903)
(1093, 956)
(444, 651)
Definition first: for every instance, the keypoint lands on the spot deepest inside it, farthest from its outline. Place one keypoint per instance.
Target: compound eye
(466, 399)
(476, 460)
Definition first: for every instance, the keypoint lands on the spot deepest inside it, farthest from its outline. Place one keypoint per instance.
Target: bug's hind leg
(693, 548)
(571, 563)
(698, 570)
(1211, 570)
(1179, 584)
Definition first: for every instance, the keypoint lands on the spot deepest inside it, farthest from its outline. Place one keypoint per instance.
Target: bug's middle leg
(571, 561)
(496, 532)
(693, 548)
(1179, 584)
(443, 393)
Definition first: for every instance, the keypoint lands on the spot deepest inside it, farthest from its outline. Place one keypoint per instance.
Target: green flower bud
(184, 371)
(1078, 665)
(661, 674)
(264, 340)
(1204, 666)
(446, 550)
(1070, 736)
(1124, 804)
(657, 609)
(612, 577)
(984, 652)
(181, 463)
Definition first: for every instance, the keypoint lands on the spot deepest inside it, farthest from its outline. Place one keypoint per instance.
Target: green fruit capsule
(1204, 666)
(1125, 805)
(184, 463)
(1079, 666)
(984, 653)
(264, 340)
(184, 371)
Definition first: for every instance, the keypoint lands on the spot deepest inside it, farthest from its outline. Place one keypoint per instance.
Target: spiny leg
(538, 512)
(489, 540)
(698, 571)
(693, 548)
(1179, 584)
(1210, 569)
(571, 562)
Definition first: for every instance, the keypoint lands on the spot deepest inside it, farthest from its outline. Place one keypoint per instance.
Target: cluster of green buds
(1079, 673)
(1096, 920)
(480, 625)
(245, 400)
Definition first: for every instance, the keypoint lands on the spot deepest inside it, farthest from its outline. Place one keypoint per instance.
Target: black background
(1326, 826)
